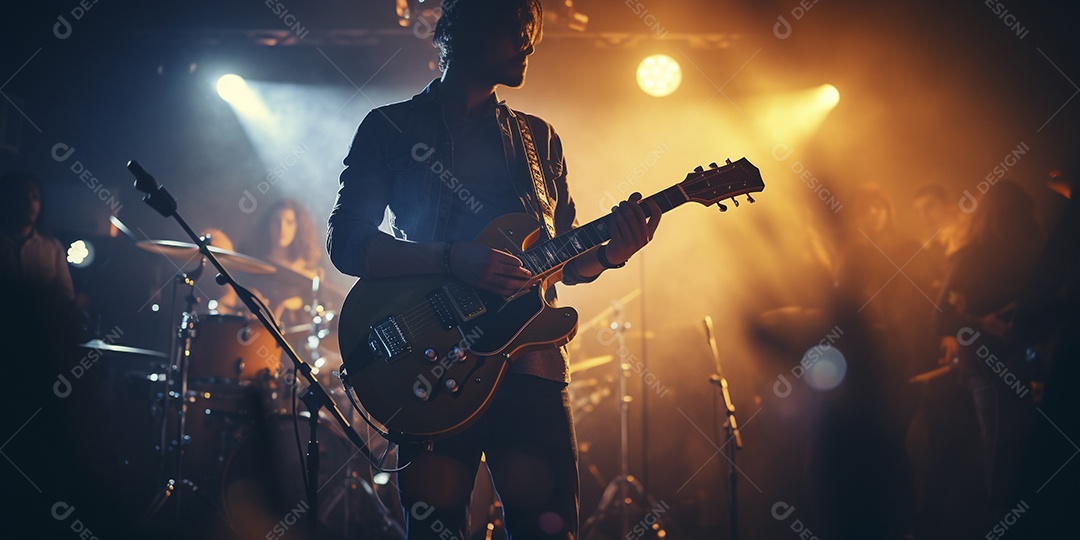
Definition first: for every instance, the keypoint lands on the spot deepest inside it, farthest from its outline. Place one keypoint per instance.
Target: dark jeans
(1005, 416)
(528, 439)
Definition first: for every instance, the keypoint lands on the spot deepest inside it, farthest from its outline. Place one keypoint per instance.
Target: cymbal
(230, 259)
(589, 363)
(292, 273)
(109, 347)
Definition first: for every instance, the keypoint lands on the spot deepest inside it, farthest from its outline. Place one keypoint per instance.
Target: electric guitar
(425, 354)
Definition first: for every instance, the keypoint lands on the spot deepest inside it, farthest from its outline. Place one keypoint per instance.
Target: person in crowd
(978, 301)
(29, 256)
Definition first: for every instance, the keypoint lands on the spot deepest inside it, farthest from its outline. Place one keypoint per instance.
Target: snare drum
(229, 349)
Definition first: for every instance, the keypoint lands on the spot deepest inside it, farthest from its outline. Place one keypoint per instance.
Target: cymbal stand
(620, 485)
(176, 393)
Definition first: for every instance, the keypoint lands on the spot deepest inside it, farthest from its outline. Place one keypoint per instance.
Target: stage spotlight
(243, 98)
(659, 75)
(828, 96)
(793, 116)
(381, 478)
(232, 88)
(80, 254)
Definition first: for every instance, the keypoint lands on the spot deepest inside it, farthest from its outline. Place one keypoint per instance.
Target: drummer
(286, 238)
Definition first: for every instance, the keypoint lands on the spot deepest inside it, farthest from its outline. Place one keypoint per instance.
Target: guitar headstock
(718, 182)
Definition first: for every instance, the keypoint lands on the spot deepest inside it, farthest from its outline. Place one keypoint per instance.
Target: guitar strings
(420, 317)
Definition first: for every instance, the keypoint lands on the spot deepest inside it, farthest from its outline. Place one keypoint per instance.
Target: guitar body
(398, 338)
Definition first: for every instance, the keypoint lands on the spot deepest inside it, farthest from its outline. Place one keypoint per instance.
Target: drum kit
(214, 418)
(221, 405)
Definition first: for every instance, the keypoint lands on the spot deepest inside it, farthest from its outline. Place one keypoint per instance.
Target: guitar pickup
(466, 303)
(455, 303)
(387, 340)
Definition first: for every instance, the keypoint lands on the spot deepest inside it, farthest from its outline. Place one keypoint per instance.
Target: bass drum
(263, 488)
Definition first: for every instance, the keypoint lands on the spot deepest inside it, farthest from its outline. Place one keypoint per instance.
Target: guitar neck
(558, 251)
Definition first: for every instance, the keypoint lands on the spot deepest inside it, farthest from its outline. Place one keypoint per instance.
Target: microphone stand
(315, 397)
(731, 427)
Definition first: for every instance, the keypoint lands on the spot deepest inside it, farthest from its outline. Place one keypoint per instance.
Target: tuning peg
(736, 201)
(728, 161)
(713, 165)
(698, 169)
(721, 207)
(750, 198)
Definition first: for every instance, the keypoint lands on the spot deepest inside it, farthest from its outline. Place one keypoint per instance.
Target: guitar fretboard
(561, 249)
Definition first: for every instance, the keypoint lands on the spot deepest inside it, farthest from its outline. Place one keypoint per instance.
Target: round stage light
(232, 88)
(659, 75)
(825, 367)
(80, 254)
(828, 96)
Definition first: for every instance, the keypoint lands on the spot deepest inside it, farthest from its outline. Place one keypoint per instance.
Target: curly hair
(304, 247)
(466, 26)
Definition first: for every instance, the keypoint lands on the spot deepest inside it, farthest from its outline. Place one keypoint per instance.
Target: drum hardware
(315, 397)
(617, 492)
(176, 401)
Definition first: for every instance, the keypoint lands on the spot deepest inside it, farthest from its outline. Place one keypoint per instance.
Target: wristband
(601, 255)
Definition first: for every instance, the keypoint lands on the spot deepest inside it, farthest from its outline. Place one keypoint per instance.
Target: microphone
(144, 181)
(156, 195)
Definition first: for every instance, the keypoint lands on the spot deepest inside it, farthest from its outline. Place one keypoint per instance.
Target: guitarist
(445, 164)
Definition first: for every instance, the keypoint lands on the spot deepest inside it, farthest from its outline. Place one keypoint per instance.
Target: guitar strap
(536, 172)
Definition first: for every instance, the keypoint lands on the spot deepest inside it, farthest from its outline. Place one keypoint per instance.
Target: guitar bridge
(387, 340)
